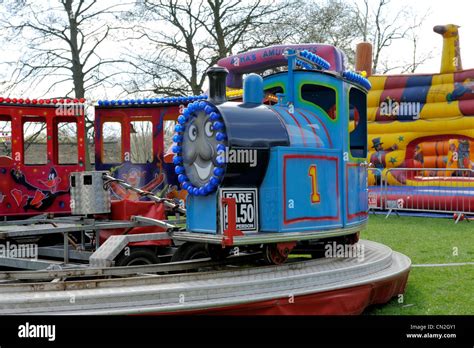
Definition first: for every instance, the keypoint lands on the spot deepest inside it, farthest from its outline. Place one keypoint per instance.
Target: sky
(439, 12)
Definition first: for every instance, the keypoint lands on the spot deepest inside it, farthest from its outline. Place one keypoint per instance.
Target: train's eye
(208, 129)
(192, 132)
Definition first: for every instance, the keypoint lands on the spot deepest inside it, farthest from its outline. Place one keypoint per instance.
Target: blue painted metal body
(313, 183)
(285, 194)
(201, 213)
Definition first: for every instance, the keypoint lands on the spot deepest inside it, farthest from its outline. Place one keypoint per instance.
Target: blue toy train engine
(272, 176)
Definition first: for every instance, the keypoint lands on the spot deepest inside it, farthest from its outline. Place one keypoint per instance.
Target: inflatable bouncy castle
(423, 120)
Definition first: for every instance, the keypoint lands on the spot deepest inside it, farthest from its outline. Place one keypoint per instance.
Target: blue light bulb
(214, 116)
(182, 119)
(208, 109)
(221, 136)
(218, 126)
(214, 181)
(177, 138)
(218, 171)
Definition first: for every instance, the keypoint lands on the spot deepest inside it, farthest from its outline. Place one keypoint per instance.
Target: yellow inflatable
(424, 120)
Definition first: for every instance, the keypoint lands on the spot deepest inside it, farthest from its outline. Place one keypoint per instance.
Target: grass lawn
(430, 290)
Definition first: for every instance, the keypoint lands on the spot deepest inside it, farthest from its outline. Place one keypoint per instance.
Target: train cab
(327, 121)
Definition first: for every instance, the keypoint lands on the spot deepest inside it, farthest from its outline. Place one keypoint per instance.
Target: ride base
(312, 287)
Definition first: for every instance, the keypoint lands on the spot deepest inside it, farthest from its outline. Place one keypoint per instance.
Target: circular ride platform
(320, 286)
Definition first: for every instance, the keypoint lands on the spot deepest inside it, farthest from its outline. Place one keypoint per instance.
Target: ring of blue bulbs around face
(166, 100)
(355, 77)
(317, 60)
(218, 125)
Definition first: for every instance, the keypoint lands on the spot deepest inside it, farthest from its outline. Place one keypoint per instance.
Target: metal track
(126, 271)
(202, 290)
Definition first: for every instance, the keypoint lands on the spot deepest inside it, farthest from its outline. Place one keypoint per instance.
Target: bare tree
(331, 22)
(198, 34)
(172, 67)
(63, 45)
(382, 24)
(417, 58)
(362, 21)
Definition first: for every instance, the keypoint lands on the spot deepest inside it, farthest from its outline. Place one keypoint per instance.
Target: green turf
(434, 290)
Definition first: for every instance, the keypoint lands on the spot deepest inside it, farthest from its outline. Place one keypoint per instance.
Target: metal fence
(434, 190)
(376, 201)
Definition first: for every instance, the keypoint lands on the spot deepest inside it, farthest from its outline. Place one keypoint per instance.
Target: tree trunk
(77, 73)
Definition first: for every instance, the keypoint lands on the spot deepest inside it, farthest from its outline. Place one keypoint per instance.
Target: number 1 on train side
(313, 174)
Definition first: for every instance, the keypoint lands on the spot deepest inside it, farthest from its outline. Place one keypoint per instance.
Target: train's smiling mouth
(203, 172)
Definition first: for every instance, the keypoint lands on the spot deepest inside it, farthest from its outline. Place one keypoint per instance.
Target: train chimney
(217, 84)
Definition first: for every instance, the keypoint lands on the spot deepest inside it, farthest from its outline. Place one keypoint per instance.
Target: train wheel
(190, 251)
(351, 239)
(137, 257)
(276, 254)
(216, 252)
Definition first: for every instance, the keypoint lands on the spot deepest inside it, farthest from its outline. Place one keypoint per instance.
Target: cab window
(35, 149)
(112, 142)
(321, 96)
(358, 123)
(67, 143)
(271, 94)
(141, 141)
(168, 133)
(5, 137)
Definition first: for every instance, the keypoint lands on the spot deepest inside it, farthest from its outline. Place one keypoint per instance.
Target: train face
(295, 170)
